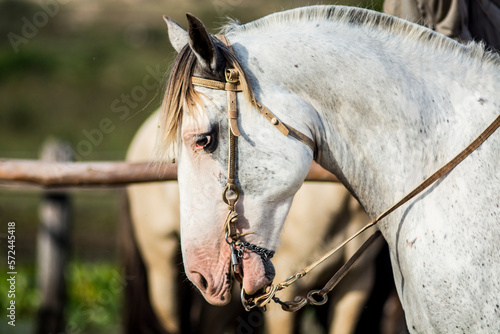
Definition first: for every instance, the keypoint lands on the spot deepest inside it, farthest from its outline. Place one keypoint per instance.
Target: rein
(230, 196)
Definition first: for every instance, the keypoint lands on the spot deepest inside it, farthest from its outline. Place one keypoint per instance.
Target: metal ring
(313, 301)
(226, 236)
(230, 201)
(232, 75)
(246, 305)
(265, 298)
(258, 301)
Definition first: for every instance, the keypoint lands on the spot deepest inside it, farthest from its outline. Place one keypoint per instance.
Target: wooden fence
(72, 174)
(55, 172)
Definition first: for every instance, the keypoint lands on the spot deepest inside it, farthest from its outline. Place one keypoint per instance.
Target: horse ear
(201, 43)
(178, 36)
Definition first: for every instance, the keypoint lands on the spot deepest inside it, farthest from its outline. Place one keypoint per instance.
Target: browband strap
(268, 115)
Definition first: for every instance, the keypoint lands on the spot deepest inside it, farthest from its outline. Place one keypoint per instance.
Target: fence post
(53, 247)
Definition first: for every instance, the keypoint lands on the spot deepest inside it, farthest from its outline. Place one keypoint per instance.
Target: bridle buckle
(232, 75)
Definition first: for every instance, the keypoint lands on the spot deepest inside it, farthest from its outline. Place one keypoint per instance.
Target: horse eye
(203, 141)
(206, 141)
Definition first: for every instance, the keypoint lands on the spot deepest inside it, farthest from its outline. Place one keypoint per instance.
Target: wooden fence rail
(56, 171)
(64, 174)
(56, 212)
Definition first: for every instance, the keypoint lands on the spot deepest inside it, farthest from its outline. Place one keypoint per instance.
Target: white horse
(387, 103)
(154, 209)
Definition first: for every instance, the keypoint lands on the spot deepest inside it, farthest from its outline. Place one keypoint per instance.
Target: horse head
(269, 167)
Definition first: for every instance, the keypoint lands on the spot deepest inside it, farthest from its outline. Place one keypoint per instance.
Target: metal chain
(265, 254)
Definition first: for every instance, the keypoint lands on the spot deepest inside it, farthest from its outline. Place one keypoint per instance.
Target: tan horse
(322, 215)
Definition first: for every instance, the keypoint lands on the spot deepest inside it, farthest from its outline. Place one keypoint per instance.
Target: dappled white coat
(388, 103)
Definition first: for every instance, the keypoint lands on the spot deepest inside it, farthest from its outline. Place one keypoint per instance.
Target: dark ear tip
(200, 42)
(193, 20)
(190, 17)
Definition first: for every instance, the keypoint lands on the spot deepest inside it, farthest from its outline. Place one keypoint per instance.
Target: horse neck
(386, 114)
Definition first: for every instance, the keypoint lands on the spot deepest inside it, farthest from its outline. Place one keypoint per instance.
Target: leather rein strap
(231, 195)
(312, 296)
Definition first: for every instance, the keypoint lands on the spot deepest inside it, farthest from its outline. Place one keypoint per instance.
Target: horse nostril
(203, 282)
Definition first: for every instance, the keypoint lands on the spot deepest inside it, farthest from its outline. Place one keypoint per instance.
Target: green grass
(26, 297)
(63, 82)
(94, 225)
(94, 298)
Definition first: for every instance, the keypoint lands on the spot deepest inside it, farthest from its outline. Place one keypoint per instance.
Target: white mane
(412, 32)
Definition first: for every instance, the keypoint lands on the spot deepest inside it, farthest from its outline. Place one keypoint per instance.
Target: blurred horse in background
(160, 299)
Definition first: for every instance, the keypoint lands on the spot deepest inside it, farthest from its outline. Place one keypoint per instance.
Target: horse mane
(180, 95)
(369, 19)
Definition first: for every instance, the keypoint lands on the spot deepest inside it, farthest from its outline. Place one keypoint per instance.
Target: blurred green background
(89, 73)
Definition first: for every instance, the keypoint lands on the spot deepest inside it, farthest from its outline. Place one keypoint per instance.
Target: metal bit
(234, 258)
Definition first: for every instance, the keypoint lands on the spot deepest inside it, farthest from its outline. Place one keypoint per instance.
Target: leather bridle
(231, 192)
(231, 195)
